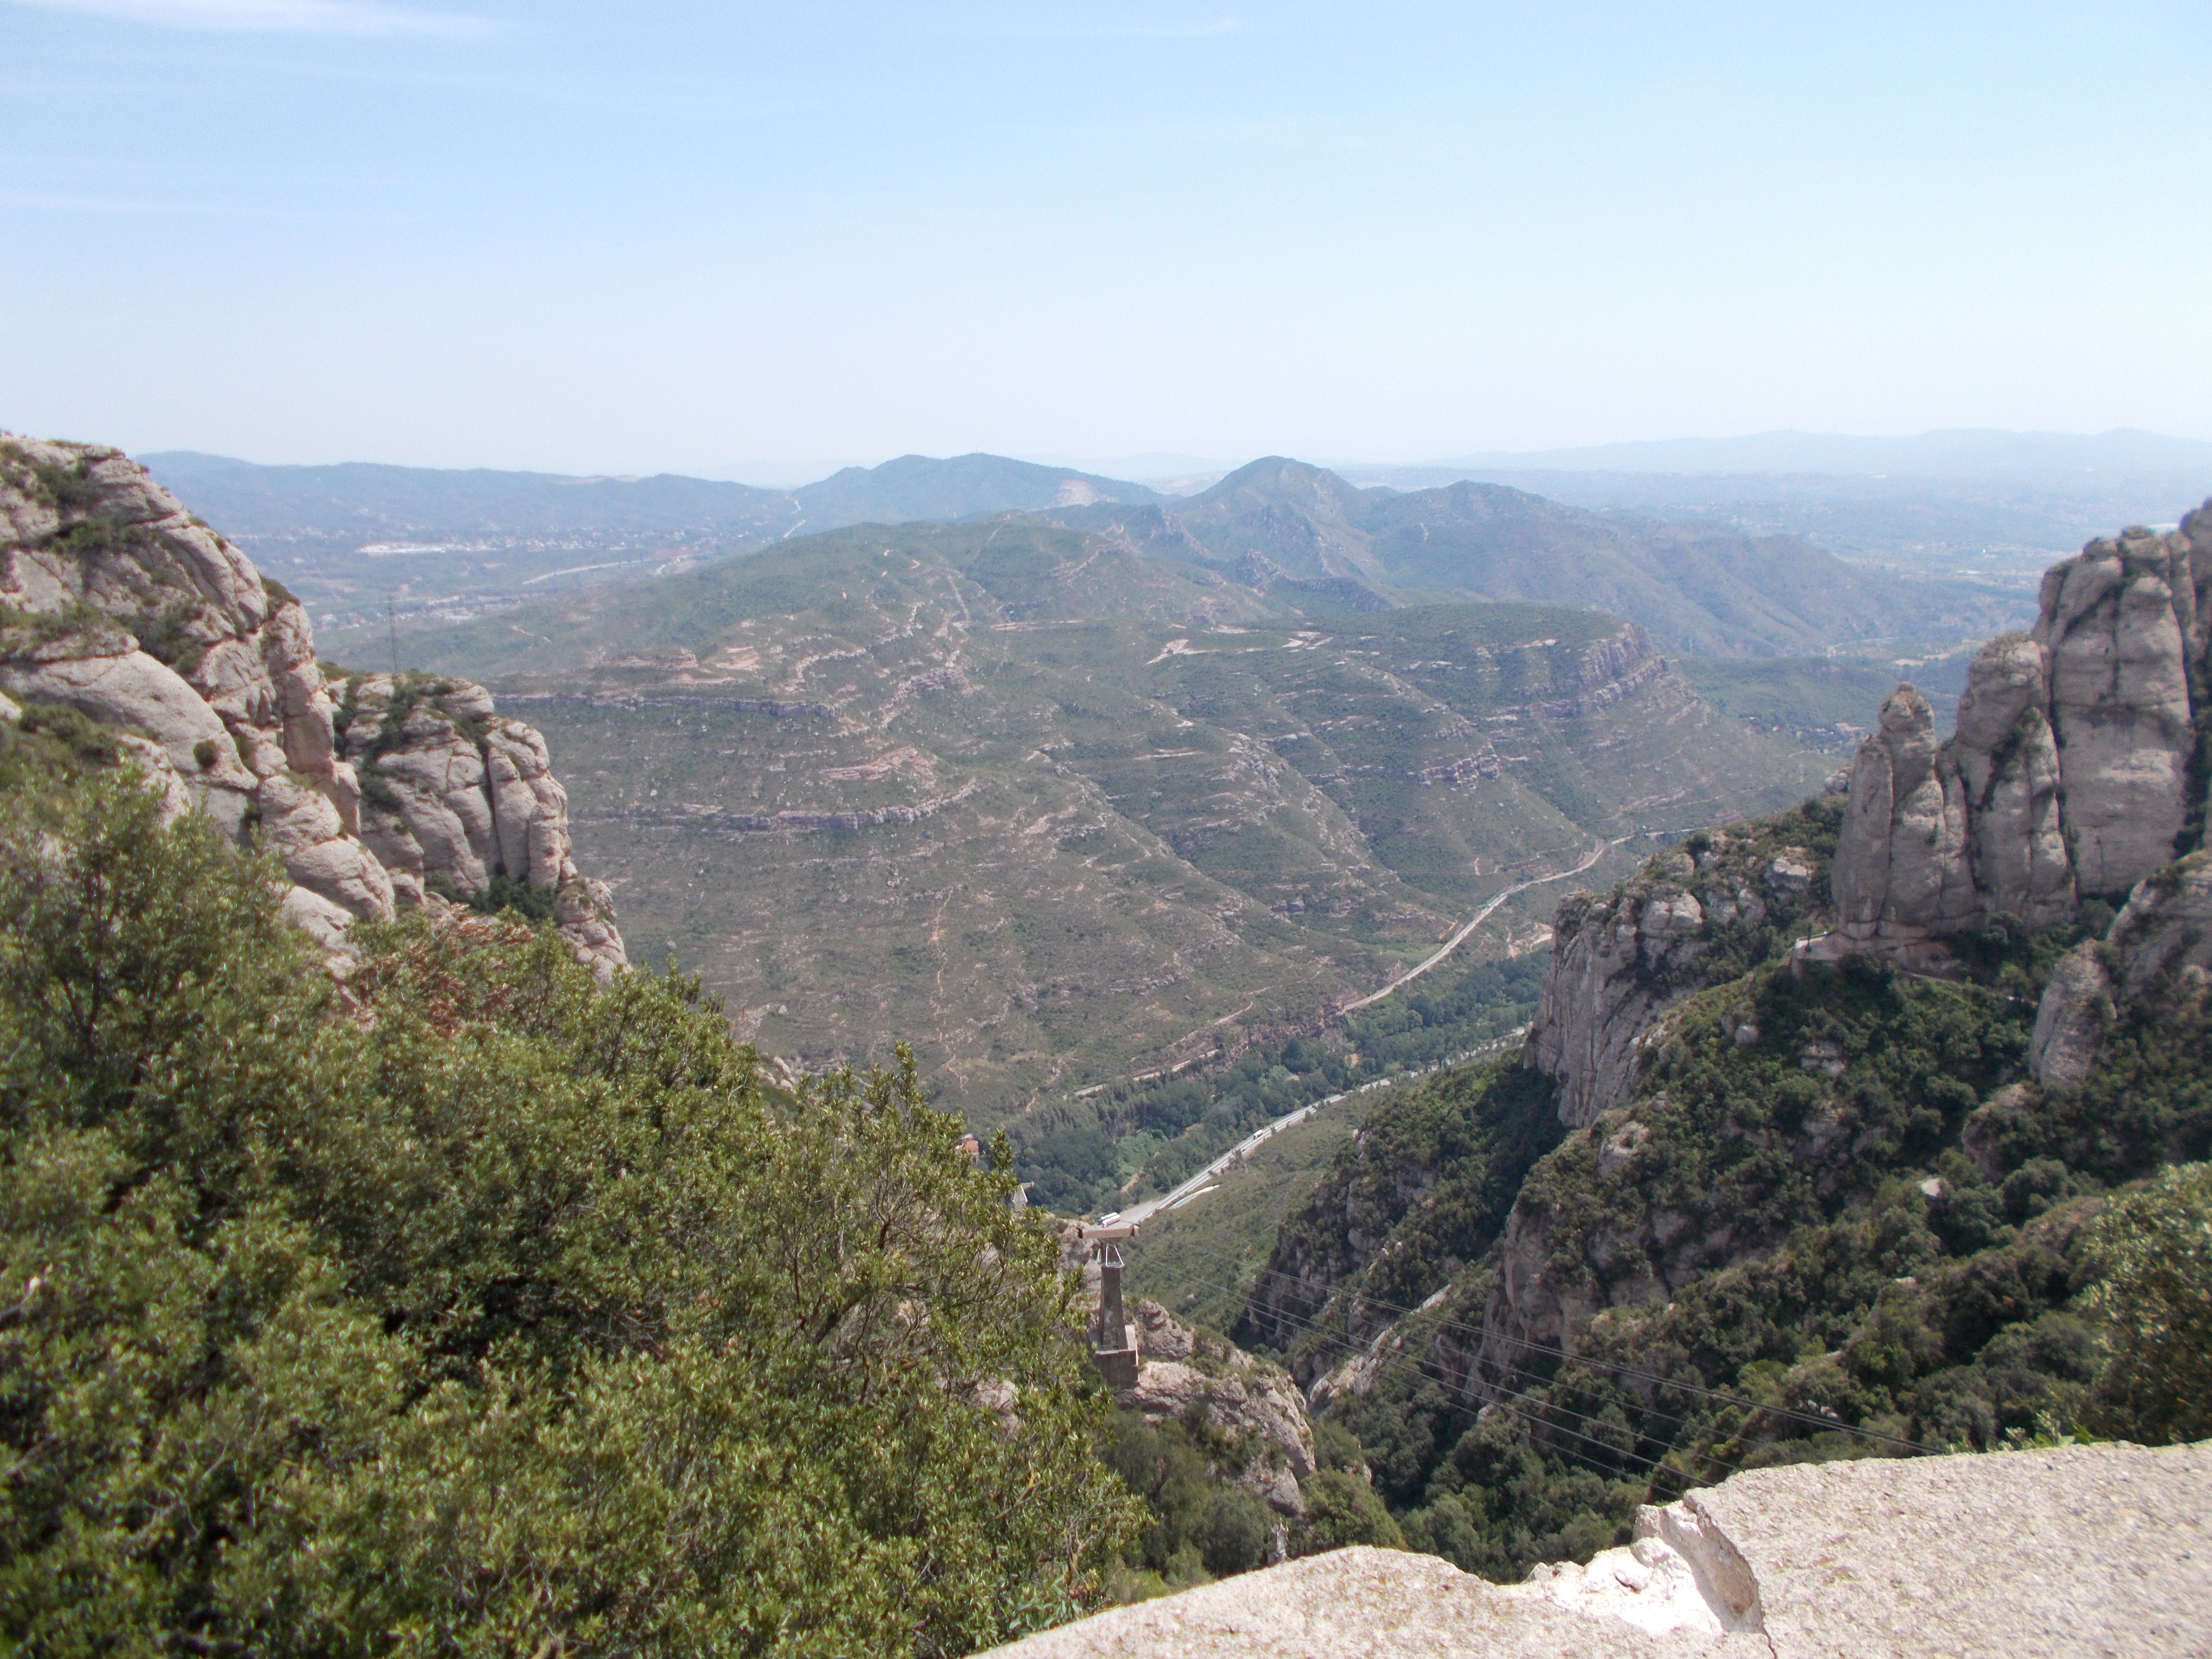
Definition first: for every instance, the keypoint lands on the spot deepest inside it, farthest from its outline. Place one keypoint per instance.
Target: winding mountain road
(1476, 920)
(1137, 1214)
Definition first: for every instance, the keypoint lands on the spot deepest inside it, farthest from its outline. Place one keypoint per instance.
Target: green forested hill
(1058, 808)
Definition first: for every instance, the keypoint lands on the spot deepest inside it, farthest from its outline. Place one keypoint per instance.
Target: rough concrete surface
(2086, 1550)
(2083, 1550)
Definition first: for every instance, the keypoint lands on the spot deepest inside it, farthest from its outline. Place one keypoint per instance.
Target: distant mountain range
(1696, 587)
(457, 542)
(1934, 454)
(356, 501)
(350, 538)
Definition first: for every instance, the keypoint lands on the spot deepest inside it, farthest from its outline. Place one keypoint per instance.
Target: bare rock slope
(375, 792)
(2080, 1550)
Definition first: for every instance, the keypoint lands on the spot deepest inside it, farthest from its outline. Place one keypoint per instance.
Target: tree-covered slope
(1834, 1215)
(915, 487)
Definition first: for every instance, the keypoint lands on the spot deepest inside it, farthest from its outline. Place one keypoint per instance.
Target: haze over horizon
(671, 239)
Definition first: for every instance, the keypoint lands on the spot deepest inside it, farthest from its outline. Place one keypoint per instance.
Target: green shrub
(1233, 1531)
(490, 1312)
(71, 735)
(1341, 1509)
(2152, 1251)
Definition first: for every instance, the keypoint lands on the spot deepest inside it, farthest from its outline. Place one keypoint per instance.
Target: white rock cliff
(2069, 773)
(374, 792)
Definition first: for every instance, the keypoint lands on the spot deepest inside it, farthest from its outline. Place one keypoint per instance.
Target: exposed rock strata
(120, 603)
(1610, 669)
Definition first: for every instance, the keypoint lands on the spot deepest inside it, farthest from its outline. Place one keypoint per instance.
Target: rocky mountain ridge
(1280, 524)
(2075, 768)
(374, 790)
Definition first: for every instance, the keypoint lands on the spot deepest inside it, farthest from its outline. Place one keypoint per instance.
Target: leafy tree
(461, 1308)
(2153, 1251)
(1341, 1509)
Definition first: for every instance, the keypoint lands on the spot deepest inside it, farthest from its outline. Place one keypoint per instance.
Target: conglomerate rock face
(1618, 962)
(1605, 984)
(2069, 773)
(2163, 932)
(374, 792)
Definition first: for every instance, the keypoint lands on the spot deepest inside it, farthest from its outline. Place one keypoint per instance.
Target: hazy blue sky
(646, 236)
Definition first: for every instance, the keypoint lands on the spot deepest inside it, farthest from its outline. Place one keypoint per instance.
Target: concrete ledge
(2086, 1550)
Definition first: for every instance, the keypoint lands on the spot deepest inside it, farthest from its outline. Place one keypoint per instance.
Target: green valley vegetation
(1834, 1220)
(1201, 1525)
(1060, 810)
(457, 1305)
(1132, 1139)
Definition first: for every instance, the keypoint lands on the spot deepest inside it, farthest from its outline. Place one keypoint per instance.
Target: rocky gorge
(375, 790)
(1806, 1147)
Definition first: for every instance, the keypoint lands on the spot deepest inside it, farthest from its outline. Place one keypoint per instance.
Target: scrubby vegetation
(1198, 1525)
(1835, 1221)
(466, 1307)
(1135, 1139)
(1201, 1524)
(2152, 1253)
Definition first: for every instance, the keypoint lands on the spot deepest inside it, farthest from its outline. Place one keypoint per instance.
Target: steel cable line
(1410, 1365)
(1810, 1419)
(1314, 1325)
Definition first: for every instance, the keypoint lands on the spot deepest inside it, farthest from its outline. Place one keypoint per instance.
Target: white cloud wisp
(352, 17)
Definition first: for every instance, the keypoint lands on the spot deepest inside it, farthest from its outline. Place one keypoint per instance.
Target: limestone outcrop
(373, 791)
(2069, 773)
(1257, 1407)
(2079, 1550)
(1619, 961)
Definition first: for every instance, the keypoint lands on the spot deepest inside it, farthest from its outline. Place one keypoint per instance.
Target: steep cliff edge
(375, 792)
(1705, 911)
